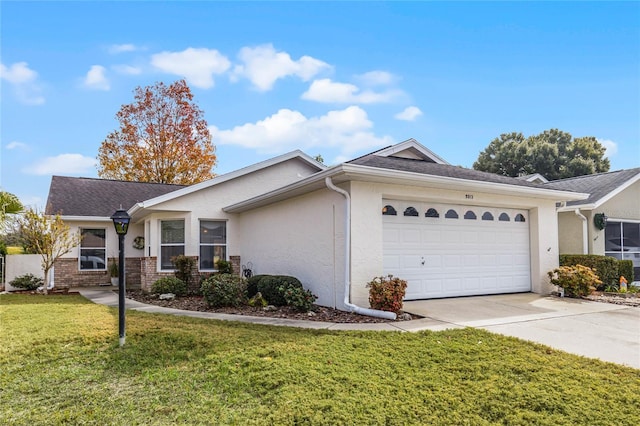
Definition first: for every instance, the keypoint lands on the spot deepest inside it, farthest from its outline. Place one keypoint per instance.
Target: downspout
(585, 230)
(347, 263)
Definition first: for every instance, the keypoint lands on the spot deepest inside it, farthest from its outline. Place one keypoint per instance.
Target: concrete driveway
(597, 330)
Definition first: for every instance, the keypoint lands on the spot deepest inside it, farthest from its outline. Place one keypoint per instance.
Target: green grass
(60, 364)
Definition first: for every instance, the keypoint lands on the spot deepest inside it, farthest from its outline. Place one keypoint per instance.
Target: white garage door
(454, 250)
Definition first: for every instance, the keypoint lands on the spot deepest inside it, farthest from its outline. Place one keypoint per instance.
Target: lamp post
(121, 221)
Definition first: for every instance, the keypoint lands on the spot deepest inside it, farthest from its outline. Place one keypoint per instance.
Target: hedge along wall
(607, 268)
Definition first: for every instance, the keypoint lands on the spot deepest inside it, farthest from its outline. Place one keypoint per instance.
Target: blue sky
(335, 79)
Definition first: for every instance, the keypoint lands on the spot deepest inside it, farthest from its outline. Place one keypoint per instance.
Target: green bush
(185, 266)
(298, 298)
(252, 284)
(272, 288)
(3, 249)
(386, 293)
(224, 267)
(224, 290)
(605, 267)
(576, 280)
(27, 282)
(625, 269)
(169, 285)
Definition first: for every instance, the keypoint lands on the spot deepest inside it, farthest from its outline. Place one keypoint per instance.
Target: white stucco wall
(624, 206)
(21, 264)
(112, 238)
(207, 204)
(302, 237)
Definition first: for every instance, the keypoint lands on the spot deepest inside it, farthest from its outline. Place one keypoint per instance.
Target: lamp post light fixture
(121, 221)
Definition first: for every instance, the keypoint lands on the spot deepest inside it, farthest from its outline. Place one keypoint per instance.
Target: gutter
(347, 263)
(585, 237)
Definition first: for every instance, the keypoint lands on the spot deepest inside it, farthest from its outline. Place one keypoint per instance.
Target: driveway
(597, 330)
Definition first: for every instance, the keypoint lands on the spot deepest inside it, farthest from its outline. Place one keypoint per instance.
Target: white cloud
(348, 129)
(121, 48)
(24, 81)
(127, 69)
(17, 145)
(610, 146)
(376, 78)
(408, 114)
(96, 78)
(263, 66)
(196, 65)
(64, 163)
(325, 90)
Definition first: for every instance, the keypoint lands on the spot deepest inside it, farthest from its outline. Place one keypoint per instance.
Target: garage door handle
(422, 261)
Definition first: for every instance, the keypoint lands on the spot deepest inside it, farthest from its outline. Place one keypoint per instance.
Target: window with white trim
(213, 243)
(171, 242)
(622, 241)
(93, 249)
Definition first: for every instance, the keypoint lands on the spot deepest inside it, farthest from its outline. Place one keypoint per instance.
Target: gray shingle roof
(435, 169)
(72, 196)
(597, 186)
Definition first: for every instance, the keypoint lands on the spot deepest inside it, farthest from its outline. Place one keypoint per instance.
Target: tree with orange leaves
(162, 138)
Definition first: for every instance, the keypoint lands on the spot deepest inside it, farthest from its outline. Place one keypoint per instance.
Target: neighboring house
(614, 196)
(402, 210)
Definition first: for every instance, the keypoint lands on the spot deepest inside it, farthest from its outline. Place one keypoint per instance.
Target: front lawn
(60, 363)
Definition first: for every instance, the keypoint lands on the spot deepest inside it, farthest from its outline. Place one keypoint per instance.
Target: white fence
(20, 264)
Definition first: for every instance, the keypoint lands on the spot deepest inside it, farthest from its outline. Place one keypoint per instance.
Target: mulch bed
(318, 313)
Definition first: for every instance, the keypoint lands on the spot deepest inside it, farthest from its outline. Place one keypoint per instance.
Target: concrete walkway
(592, 329)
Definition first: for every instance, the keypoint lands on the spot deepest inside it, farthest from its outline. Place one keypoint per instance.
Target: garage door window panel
(451, 214)
(470, 215)
(388, 210)
(504, 217)
(432, 213)
(487, 216)
(411, 211)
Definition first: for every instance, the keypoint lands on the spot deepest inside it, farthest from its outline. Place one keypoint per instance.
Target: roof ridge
(118, 180)
(595, 174)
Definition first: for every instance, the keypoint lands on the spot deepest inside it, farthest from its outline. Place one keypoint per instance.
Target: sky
(336, 79)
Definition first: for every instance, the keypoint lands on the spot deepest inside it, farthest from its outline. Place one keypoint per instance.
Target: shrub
(224, 290)
(169, 285)
(625, 269)
(605, 267)
(577, 280)
(272, 288)
(252, 284)
(224, 267)
(27, 282)
(298, 298)
(185, 266)
(3, 249)
(386, 293)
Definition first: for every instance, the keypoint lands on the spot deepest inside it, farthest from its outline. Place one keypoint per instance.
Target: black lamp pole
(121, 222)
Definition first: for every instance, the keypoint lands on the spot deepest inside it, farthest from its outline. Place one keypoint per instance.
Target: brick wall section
(141, 273)
(237, 266)
(68, 275)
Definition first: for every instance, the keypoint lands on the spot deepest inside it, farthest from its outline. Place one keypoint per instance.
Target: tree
(49, 237)
(162, 138)
(9, 204)
(553, 153)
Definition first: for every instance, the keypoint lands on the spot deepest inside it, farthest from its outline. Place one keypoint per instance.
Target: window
(389, 211)
(451, 214)
(432, 213)
(519, 218)
(622, 241)
(504, 217)
(487, 216)
(93, 249)
(171, 242)
(411, 211)
(213, 243)
(470, 215)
